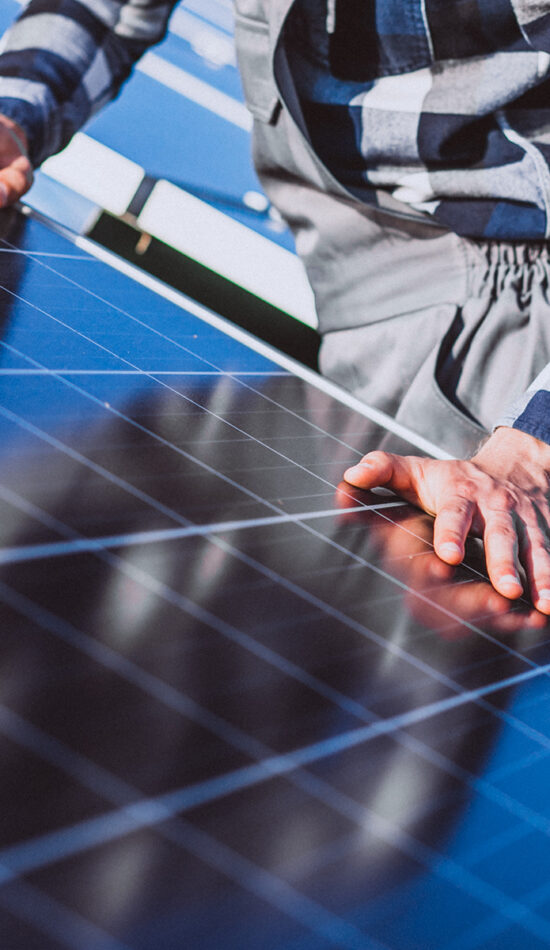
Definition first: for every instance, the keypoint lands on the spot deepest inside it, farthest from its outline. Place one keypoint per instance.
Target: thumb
(15, 167)
(15, 179)
(403, 474)
(374, 469)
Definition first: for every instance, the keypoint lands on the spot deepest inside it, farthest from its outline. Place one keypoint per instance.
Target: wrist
(507, 444)
(18, 134)
(29, 122)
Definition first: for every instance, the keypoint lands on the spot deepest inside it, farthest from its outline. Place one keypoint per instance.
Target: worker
(406, 144)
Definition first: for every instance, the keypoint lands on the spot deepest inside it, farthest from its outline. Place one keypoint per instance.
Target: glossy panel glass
(243, 705)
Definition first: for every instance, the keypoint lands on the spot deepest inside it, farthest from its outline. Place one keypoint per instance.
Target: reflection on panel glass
(242, 705)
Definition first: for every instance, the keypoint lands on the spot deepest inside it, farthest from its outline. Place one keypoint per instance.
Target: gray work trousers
(448, 371)
(439, 331)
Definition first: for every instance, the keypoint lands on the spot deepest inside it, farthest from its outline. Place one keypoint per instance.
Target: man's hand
(443, 597)
(501, 494)
(15, 168)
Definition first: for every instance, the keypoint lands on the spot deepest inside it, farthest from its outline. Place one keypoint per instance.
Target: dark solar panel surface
(240, 708)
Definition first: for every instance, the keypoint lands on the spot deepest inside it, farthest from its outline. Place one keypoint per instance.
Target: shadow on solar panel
(243, 705)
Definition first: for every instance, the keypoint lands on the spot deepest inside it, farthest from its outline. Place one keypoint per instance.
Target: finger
(15, 180)
(512, 622)
(347, 496)
(374, 469)
(438, 569)
(452, 525)
(536, 560)
(399, 473)
(501, 553)
(450, 608)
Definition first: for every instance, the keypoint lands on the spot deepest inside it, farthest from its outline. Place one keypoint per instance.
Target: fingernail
(357, 470)
(543, 599)
(507, 580)
(450, 548)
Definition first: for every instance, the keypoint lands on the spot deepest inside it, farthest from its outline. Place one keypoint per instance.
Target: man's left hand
(16, 174)
(501, 494)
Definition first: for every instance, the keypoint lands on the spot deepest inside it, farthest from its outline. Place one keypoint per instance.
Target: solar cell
(243, 705)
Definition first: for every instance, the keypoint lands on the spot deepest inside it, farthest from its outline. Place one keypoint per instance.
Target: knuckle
(534, 527)
(459, 506)
(499, 523)
(540, 548)
(500, 532)
(499, 518)
(502, 499)
(376, 456)
(466, 488)
(542, 515)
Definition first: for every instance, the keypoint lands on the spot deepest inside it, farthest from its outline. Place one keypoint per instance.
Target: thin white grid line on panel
(63, 371)
(349, 705)
(275, 508)
(346, 704)
(504, 799)
(104, 783)
(46, 254)
(78, 546)
(295, 672)
(52, 919)
(187, 399)
(253, 878)
(418, 594)
(453, 616)
(492, 927)
(182, 374)
(158, 374)
(185, 303)
(153, 374)
(298, 369)
(155, 811)
(163, 441)
(283, 581)
(88, 463)
(249, 643)
(182, 396)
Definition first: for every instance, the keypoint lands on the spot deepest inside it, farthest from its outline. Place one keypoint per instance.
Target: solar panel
(243, 705)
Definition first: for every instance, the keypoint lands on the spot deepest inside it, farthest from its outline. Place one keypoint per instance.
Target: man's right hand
(501, 494)
(16, 175)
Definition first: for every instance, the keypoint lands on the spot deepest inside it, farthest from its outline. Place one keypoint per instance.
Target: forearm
(57, 69)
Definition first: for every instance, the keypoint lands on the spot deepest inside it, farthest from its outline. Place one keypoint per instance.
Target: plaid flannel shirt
(62, 60)
(443, 103)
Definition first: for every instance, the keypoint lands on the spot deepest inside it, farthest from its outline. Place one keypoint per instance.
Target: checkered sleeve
(533, 17)
(531, 411)
(63, 59)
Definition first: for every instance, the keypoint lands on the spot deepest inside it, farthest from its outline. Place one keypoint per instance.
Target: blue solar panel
(243, 705)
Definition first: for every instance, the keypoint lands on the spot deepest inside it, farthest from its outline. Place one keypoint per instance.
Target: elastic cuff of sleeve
(535, 417)
(538, 432)
(514, 410)
(29, 117)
